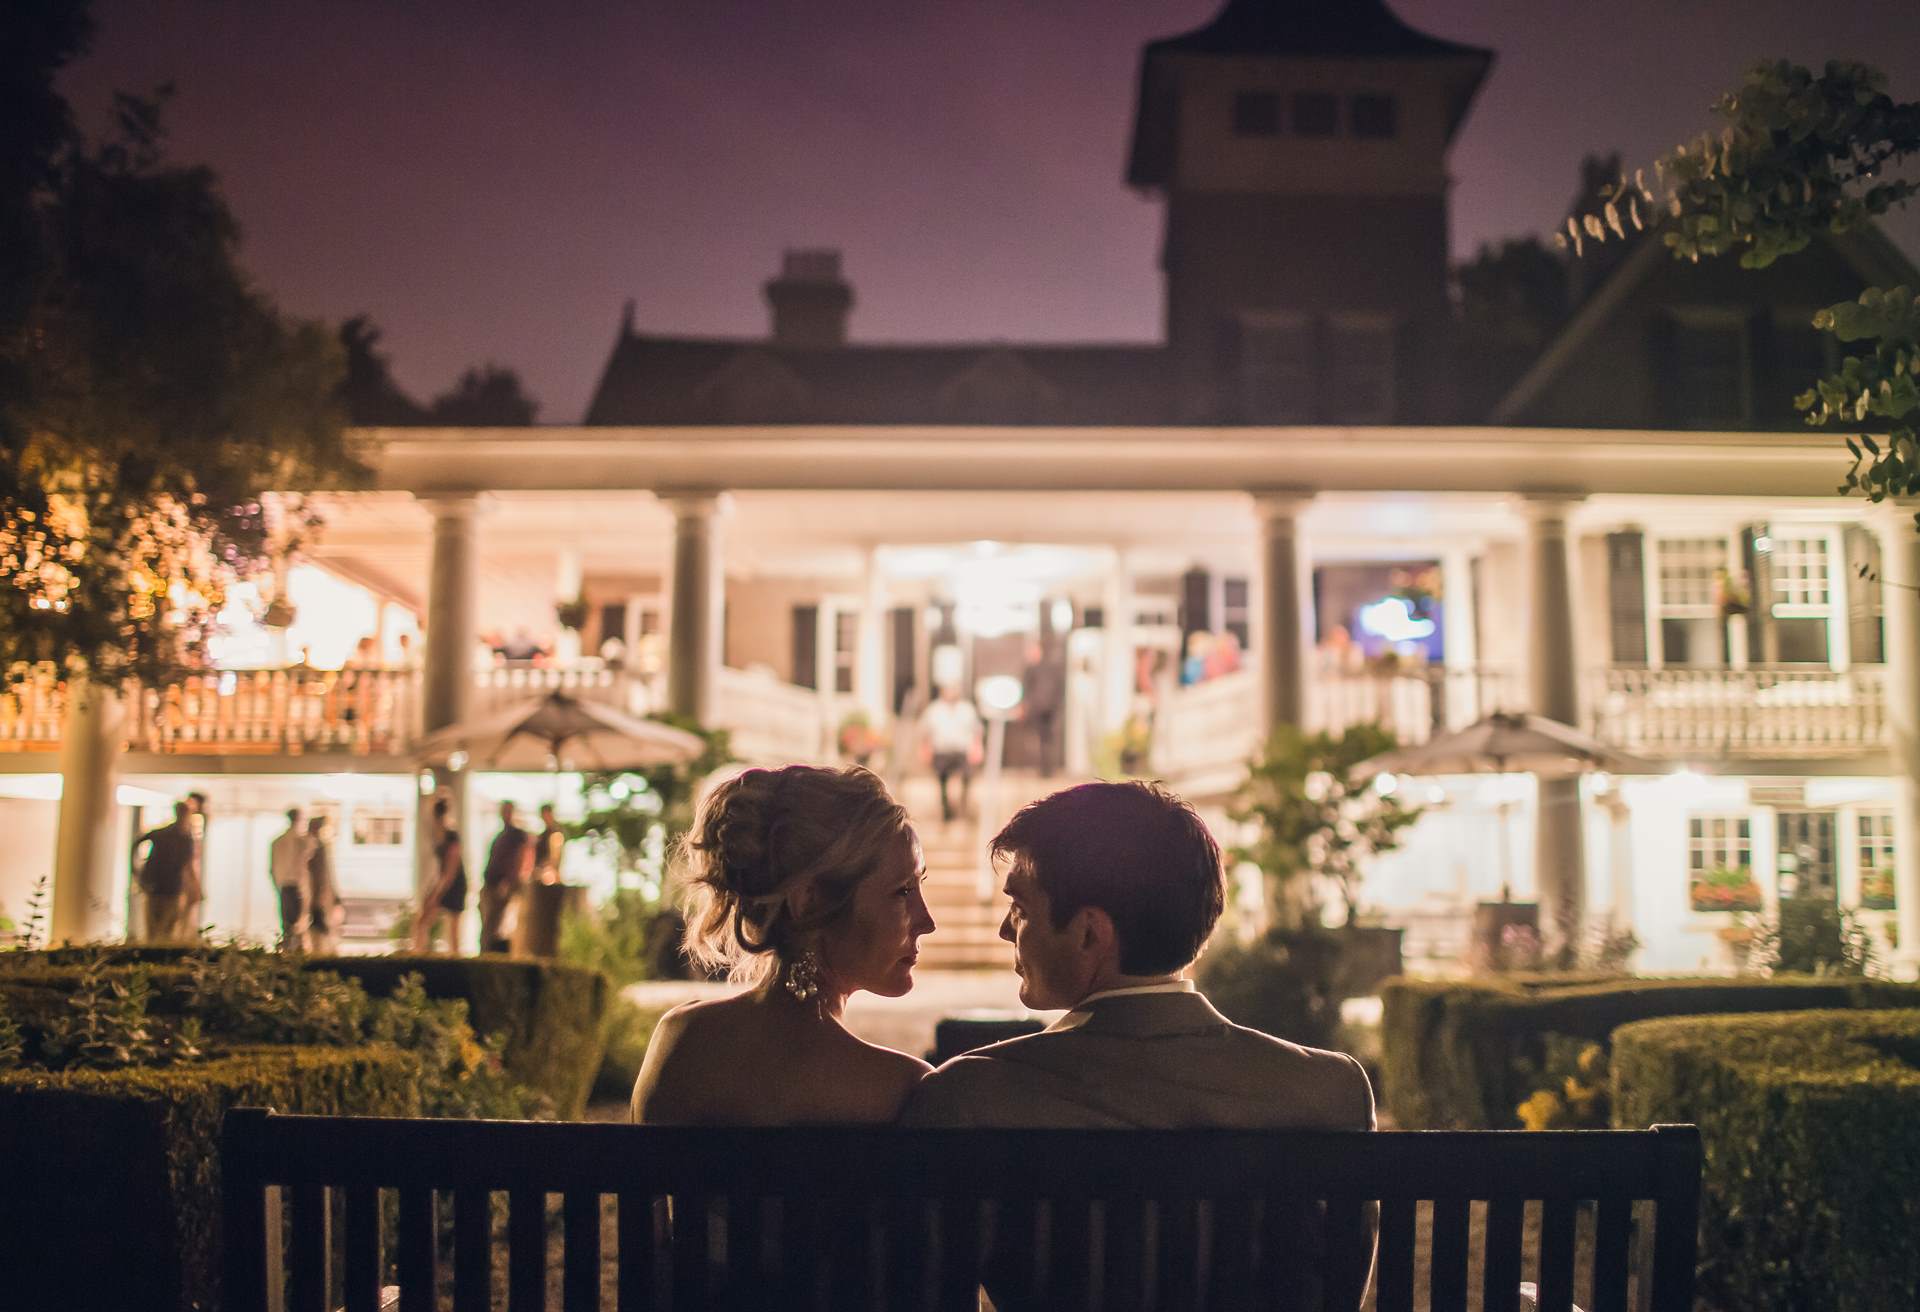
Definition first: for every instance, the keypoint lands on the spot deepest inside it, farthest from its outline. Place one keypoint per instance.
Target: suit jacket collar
(1143, 1016)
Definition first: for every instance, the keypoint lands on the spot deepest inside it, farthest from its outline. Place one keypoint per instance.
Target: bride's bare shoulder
(883, 1077)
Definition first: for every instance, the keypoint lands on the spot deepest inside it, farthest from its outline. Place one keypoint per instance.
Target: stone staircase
(968, 937)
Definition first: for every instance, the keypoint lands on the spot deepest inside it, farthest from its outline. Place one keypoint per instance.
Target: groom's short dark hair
(1135, 851)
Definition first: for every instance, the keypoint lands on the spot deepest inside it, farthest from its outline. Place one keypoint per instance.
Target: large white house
(1302, 506)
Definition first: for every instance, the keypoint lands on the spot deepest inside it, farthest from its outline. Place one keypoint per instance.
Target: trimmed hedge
(110, 1197)
(1459, 1053)
(1811, 1126)
(551, 1014)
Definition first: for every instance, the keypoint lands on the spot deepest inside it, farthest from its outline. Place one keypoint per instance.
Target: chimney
(810, 300)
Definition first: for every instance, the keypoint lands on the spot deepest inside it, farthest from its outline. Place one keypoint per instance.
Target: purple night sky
(492, 180)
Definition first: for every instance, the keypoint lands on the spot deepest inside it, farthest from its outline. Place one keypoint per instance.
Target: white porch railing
(771, 721)
(1214, 725)
(1206, 727)
(502, 685)
(1786, 712)
(31, 713)
(286, 711)
(1414, 703)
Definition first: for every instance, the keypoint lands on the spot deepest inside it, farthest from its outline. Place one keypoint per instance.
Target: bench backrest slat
(838, 1217)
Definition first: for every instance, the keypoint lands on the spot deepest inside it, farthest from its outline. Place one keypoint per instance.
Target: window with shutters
(1801, 609)
(1688, 571)
(1276, 367)
(1720, 864)
(1874, 851)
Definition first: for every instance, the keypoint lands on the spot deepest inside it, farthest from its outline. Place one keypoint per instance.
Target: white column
(870, 656)
(1900, 602)
(1459, 607)
(87, 901)
(693, 621)
(1283, 624)
(1554, 684)
(446, 692)
(446, 696)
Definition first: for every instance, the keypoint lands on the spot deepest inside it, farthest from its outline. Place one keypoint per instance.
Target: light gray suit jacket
(1147, 1061)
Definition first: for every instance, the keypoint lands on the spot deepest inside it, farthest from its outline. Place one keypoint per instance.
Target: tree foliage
(1802, 155)
(637, 816)
(151, 398)
(1313, 822)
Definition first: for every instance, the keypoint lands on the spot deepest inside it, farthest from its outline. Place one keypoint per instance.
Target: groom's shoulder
(960, 1088)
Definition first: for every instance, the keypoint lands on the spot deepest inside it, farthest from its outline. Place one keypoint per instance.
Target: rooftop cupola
(1301, 149)
(810, 300)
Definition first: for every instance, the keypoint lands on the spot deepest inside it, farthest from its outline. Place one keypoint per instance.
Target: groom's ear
(1094, 933)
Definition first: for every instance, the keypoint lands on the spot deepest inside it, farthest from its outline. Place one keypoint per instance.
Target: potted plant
(1732, 595)
(1314, 827)
(858, 740)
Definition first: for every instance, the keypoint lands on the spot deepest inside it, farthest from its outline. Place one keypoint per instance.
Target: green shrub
(111, 1194)
(1464, 1054)
(1810, 1123)
(1283, 983)
(545, 1016)
(628, 1030)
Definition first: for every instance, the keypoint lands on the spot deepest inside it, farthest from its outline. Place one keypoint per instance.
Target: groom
(1114, 889)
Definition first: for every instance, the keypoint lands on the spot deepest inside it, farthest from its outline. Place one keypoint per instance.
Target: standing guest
(169, 876)
(549, 847)
(287, 865)
(950, 742)
(446, 892)
(324, 920)
(509, 864)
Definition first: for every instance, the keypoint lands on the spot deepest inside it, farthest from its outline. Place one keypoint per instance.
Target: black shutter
(905, 675)
(1627, 597)
(1196, 614)
(806, 646)
(1862, 549)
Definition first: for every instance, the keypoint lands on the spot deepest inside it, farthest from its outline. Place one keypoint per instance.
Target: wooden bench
(892, 1219)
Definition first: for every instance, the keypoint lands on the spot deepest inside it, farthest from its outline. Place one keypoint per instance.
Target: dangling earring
(803, 976)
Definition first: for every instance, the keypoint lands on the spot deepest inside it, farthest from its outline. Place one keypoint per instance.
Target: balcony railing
(1770, 712)
(278, 712)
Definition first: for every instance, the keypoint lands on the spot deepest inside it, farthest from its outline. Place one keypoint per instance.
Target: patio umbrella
(537, 733)
(1505, 743)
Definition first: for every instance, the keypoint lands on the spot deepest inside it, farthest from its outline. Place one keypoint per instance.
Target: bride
(806, 887)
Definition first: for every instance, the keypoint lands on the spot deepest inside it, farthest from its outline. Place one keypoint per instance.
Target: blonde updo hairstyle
(763, 836)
